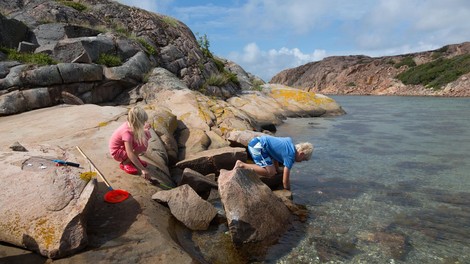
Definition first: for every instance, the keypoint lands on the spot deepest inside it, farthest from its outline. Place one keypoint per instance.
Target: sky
(265, 37)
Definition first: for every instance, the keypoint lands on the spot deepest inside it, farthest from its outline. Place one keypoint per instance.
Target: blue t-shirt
(281, 149)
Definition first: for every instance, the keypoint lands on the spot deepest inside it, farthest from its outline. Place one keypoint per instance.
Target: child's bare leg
(258, 169)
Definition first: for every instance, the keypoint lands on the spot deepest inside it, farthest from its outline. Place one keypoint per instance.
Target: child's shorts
(120, 154)
(259, 155)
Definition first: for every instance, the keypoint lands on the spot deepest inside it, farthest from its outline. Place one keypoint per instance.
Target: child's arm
(286, 178)
(135, 160)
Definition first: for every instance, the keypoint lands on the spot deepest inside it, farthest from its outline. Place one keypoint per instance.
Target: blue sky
(268, 36)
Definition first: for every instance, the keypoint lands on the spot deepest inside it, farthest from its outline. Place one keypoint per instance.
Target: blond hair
(306, 148)
(137, 118)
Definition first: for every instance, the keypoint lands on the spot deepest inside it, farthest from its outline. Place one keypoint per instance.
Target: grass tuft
(109, 60)
(31, 58)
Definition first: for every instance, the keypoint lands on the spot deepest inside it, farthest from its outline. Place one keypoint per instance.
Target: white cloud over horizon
(267, 62)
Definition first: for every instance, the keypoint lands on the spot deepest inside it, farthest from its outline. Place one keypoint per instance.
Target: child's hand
(146, 174)
(147, 126)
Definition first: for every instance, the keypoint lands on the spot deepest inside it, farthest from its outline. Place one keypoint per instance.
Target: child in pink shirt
(130, 140)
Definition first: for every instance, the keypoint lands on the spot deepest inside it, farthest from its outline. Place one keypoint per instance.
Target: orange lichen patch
(184, 116)
(204, 111)
(45, 231)
(205, 115)
(299, 96)
(102, 124)
(87, 175)
(14, 226)
(149, 107)
(158, 121)
(225, 130)
(218, 112)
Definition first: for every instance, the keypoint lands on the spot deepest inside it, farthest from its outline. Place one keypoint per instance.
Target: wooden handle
(93, 165)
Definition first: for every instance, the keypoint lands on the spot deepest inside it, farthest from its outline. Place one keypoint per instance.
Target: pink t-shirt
(122, 134)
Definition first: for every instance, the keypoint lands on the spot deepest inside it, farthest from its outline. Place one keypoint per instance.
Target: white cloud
(298, 16)
(150, 5)
(265, 64)
(388, 24)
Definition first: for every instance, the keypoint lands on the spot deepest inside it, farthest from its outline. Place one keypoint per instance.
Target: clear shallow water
(389, 182)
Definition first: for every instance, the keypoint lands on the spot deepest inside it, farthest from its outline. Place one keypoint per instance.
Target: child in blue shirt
(268, 151)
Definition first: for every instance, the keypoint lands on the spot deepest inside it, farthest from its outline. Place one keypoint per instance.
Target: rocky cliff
(363, 75)
(91, 51)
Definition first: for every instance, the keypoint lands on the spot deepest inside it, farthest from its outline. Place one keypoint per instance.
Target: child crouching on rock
(268, 151)
(130, 140)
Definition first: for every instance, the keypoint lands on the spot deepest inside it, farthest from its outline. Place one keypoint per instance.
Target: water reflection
(355, 221)
(388, 183)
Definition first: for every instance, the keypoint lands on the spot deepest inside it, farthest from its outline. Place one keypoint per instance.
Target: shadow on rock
(22, 257)
(107, 221)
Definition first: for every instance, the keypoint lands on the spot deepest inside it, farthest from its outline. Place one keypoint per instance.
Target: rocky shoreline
(191, 131)
(203, 111)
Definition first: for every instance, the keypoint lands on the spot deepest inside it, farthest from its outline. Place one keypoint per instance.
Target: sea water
(389, 182)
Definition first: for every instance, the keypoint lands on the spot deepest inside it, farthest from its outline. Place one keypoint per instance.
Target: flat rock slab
(44, 206)
(213, 160)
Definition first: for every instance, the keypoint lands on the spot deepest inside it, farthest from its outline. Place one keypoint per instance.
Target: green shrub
(222, 79)
(437, 73)
(121, 31)
(32, 58)
(231, 77)
(74, 5)
(204, 45)
(436, 55)
(391, 62)
(170, 21)
(443, 49)
(406, 61)
(257, 85)
(219, 64)
(109, 60)
(217, 80)
(149, 48)
(351, 84)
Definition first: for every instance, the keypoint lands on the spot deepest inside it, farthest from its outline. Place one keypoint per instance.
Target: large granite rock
(299, 103)
(260, 107)
(256, 217)
(200, 183)
(164, 123)
(214, 160)
(45, 207)
(12, 32)
(188, 207)
(239, 138)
